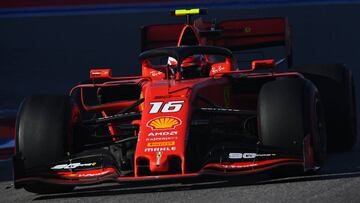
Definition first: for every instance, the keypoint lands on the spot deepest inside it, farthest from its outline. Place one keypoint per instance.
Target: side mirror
(263, 64)
(100, 73)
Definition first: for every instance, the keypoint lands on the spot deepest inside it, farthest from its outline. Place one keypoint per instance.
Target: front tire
(288, 111)
(43, 136)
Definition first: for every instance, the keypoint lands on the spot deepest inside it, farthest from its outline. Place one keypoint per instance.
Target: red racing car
(197, 109)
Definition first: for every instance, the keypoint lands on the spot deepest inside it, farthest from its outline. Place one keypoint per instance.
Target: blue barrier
(137, 7)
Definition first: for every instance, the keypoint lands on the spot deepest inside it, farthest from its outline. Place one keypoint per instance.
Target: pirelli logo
(161, 144)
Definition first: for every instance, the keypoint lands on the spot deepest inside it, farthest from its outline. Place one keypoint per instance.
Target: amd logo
(163, 133)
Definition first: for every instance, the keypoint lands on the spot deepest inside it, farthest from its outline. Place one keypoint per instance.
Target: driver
(191, 67)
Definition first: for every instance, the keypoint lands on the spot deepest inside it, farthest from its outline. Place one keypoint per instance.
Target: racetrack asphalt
(337, 181)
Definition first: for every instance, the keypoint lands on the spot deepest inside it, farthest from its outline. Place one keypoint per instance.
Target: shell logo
(161, 123)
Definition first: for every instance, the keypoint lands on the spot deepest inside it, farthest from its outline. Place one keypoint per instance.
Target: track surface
(338, 181)
(321, 34)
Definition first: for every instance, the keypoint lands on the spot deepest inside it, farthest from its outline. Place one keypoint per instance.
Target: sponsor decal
(160, 144)
(160, 149)
(72, 166)
(161, 138)
(163, 133)
(217, 69)
(161, 123)
(155, 73)
(93, 174)
(248, 155)
(247, 29)
(87, 173)
(158, 158)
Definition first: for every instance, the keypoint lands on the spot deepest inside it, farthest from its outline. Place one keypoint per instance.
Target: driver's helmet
(192, 66)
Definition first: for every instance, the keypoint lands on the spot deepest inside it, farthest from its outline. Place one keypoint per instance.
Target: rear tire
(43, 136)
(337, 91)
(287, 111)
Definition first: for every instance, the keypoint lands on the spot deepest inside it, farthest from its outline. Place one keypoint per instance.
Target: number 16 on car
(168, 107)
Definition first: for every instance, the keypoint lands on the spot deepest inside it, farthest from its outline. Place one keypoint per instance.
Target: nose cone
(162, 140)
(163, 129)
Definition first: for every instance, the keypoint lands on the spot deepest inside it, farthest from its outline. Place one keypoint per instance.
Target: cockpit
(185, 62)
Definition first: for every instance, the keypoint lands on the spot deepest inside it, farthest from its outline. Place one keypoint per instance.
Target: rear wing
(252, 34)
(235, 35)
(157, 36)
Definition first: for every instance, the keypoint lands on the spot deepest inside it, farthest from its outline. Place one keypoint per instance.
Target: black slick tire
(43, 136)
(289, 109)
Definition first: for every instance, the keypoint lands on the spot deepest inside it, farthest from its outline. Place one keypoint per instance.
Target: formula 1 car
(194, 111)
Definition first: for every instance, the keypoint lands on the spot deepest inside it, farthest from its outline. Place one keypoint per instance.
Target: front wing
(99, 166)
